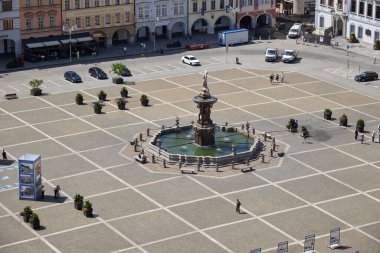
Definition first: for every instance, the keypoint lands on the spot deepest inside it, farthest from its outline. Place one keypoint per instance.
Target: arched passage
(178, 29)
(161, 31)
(222, 23)
(199, 26)
(246, 22)
(100, 37)
(143, 33)
(7, 47)
(264, 20)
(120, 35)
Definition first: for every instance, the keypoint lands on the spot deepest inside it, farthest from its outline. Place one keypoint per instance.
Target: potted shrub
(117, 80)
(35, 221)
(360, 125)
(118, 68)
(87, 209)
(124, 92)
(102, 95)
(78, 201)
(97, 107)
(36, 90)
(79, 99)
(343, 120)
(292, 125)
(26, 213)
(327, 114)
(144, 100)
(120, 103)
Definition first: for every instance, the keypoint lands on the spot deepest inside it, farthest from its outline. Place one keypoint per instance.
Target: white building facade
(160, 19)
(10, 42)
(344, 17)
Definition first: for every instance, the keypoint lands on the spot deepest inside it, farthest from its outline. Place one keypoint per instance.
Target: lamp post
(69, 29)
(154, 34)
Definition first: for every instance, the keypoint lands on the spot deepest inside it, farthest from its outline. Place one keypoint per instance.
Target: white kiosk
(30, 179)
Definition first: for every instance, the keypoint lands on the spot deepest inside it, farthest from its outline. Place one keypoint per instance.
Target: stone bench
(10, 96)
(247, 169)
(188, 170)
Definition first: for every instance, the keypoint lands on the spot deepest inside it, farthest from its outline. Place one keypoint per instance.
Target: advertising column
(30, 179)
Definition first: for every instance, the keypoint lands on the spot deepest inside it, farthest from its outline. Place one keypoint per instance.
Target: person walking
(57, 189)
(125, 50)
(373, 136)
(282, 77)
(238, 204)
(356, 134)
(271, 78)
(277, 78)
(362, 138)
(4, 155)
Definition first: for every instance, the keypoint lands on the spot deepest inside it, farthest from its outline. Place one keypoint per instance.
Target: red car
(197, 46)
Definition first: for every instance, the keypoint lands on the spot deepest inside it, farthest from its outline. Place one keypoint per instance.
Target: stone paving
(328, 181)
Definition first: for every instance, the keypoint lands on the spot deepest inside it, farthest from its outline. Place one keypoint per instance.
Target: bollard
(141, 135)
(233, 165)
(142, 151)
(271, 152)
(153, 159)
(253, 131)
(315, 43)
(262, 158)
(260, 37)
(199, 165)
(269, 37)
(164, 163)
(217, 167)
(180, 164)
(147, 132)
(265, 136)
(248, 162)
(135, 146)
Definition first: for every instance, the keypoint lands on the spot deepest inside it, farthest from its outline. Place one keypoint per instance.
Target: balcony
(39, 7)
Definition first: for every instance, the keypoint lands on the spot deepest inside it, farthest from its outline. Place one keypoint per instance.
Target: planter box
(36, 92)
(103, 98)
(121, 106)
(327, 116)
(144, 103)
(118, 81)
(343, 122)
(26, 217)
(293, 130)
(35, 225)
(79, 101)
(360, 129)
(88, 213)
(98, 110)
(124, 95)
(78, 205)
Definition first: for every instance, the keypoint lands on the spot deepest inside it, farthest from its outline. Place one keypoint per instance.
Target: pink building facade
(254, 13)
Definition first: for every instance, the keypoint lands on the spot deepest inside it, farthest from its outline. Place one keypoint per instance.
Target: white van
(295, 31)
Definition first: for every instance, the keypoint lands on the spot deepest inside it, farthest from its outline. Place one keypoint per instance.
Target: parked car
(126, 72)
(97, 73)
(271, 54)
(72, 77)
(191, 60)
(366, 76)
(289, 56)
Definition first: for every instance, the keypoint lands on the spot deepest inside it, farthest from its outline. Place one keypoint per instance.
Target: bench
(10, 96)
(247, 169)
(188, 170)
(141, 159)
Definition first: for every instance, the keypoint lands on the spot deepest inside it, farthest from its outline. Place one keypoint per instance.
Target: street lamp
(69, 30)
(154, 34)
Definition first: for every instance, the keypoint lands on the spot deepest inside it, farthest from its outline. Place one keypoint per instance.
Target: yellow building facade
(108, 21)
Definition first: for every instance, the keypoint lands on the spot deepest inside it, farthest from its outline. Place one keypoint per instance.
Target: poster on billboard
(256, 250)
(335, 238)
(282, 247)
(30, 179)
(309, 244)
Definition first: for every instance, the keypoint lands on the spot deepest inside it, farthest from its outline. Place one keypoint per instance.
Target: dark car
(97, 73)
(126, 72)
(366, 76)
(72, 77)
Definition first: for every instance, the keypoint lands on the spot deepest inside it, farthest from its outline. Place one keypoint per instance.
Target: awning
(98, 35)
(83, 39)
(35, 45)
(52, 43)
(68, 41)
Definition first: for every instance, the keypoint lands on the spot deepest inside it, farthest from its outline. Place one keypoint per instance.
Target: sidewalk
(116, 52)
(362, 48)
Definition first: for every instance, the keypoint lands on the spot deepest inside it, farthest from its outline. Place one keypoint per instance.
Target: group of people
(278, 77)
(373, 136)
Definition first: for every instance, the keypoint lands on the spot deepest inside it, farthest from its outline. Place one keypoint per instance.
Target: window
(40, 22)
(377, 12)
(195, 6)
(213, 5)
(158, 11)
(377, 36)
(39, 2)
(181, 8)
(28, 23)
(140, 11)
(67, 4)
(361, 8)
(28, 3)
(97, 20)
(164, 9)
(146, 13)
(7, 24)
(107, 2)
(352, 29)
(117, 2)
(51, 2)
(360, 32)
(87, 4)
(353, 6)
(7, 5)
(331, 3)
(78, 22)
(88, 21)
(127, 2)
(127, 16)
(117, 18)
(96, 3)
(51, 20)
(369, 10)
(231, 3)
(108, 19)
(340, 4)
(221, 4)
(77, 4)
(250, 2)
(204, 6)
(323, 2)
(176, 10)
(321, 22)
(67, 22)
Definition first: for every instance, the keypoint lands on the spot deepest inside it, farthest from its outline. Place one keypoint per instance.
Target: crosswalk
(342, 72)
(5, 180)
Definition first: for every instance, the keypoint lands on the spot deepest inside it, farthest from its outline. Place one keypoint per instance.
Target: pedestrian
(282, 77)
(125, 50)
(362, 138)
(356, 134)
(238, 204)
(57, 189)
(374, 60)
(78, 55)
(277, 77)
(271, 78)
(4, 155)
(373, 136)
(379, 137)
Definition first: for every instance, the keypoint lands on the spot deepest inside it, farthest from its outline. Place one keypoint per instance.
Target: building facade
(341, 18)
(108, 21)
(40, 18)
(10, 42)
(160, 19)
(253, 13)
